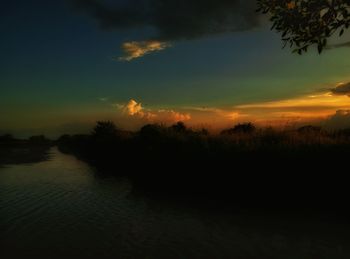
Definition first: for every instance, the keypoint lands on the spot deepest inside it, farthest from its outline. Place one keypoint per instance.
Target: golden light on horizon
(324, 100)
(305, 108)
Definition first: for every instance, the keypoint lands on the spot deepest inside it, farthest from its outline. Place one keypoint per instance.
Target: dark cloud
(340, 120)
(173, 19)
(342, 89)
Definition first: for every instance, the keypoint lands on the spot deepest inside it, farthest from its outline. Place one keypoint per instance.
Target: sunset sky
(66, 64)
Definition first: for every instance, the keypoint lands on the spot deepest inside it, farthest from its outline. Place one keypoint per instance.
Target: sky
(68, 63)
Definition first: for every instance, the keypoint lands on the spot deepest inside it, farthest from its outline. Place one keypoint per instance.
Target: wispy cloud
(172, 116)
(304, 108)
(136, 110)
(313, 102)
(171, 20)
(341, 89)
(137, 49)
(103, 99)
(318, 107)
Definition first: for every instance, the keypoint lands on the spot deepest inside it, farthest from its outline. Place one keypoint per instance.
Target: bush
(105, 129)
(245, 128)
(309, 129)
(6, 138)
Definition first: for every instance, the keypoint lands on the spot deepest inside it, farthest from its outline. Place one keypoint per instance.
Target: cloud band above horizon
(172, 20)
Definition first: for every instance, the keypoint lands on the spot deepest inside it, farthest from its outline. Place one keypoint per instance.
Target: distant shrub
(203, 132)
(105, 129)
(64, 138)
(245, 128)
(40, 139)
(309, 129)
(151, 131)
(346, 132)
(6, 138)
(179, 127)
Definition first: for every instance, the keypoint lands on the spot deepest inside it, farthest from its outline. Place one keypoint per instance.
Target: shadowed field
(265, 167)
(17, 151)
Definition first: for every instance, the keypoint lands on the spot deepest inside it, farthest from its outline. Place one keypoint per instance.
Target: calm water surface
(62, 208)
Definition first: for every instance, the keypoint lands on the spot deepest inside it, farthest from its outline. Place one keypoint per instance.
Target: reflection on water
(61, 209)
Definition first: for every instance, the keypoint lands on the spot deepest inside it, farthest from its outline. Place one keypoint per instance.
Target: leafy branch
(304, 23)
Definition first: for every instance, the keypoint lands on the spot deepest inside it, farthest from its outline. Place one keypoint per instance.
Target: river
(62, 208)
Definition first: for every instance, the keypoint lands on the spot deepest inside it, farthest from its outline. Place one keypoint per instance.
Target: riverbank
(262, 168)
(23, 151)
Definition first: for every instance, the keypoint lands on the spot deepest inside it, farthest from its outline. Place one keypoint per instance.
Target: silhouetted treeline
(19, 151)
(243, 162)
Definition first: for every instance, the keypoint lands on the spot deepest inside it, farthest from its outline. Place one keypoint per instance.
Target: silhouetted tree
(344, 132)
(307, 22)
(246, 128)
(204, 132)
(40, 139)
(64, 138)
(105, 129)
(151, 131)
(179, 127)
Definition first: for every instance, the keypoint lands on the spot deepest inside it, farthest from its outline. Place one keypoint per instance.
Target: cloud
(170, 20)
(323, 108)
(133, 108)
(134, 49)
(136, 110)
(173, 19)
(204, 109)
(117, 105)
(340, 120)
(342, 89)
(172, 116)
(320, 101)
(303, 109)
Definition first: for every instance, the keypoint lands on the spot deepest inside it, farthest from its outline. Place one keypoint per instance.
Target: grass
(249, 164)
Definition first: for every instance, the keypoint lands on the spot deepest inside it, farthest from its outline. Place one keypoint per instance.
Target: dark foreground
(254, 168)
(17, 151)
(64, 208)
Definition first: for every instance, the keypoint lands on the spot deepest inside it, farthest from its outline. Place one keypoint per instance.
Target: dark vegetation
(302, 167)
(304, 23)
(20, 151)
(248, 165)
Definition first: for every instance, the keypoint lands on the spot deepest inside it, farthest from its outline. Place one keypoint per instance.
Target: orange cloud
(136, 110)
(133, 108)
(173, 116)
(325, 100)
(304, 108)
(137, 49)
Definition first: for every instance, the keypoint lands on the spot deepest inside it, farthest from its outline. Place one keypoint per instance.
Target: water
(62, 208)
